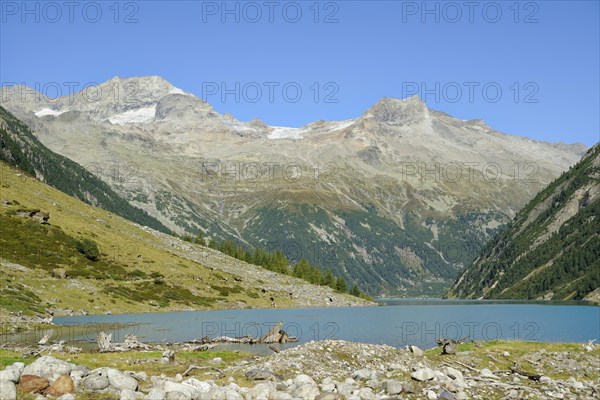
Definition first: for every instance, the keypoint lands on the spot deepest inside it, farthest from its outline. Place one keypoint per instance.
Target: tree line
(277, 261)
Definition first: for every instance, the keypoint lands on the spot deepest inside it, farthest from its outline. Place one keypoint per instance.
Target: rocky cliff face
(551, 250)
(398, 199)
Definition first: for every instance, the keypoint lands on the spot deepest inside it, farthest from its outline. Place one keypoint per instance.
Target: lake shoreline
(325, 369)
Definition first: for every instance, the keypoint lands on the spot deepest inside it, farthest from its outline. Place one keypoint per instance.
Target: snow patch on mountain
(140, 115)
(282, 132)
(48, 111)
(176, 90)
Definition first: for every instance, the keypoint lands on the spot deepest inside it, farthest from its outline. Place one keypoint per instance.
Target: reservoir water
(395, 322)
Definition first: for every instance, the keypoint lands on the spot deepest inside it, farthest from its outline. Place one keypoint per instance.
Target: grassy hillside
(20, 148)
(552, 248)
(88, 260)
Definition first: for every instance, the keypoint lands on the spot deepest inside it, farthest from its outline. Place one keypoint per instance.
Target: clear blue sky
(550, 49)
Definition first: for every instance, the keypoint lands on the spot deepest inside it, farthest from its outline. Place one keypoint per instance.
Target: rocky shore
(323, 370)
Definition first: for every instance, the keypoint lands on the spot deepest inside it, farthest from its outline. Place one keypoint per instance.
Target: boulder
(281, 396)
(155, 394)
(48, 367)
(392, 387)
(127, 394)
(33, 384)
(453, 373)
(96, 382)
(431, 395)
(305, 391)
(486, 373)
(362, 374)
(423, 374)
(258, 374)
(189, 392)
(416, 351)
(62, 385)
(328, 396)
(408, 387)
(446, 395)
(202, 387)
(303, 379)
(8, 390)
(10, 374)
(262, 391)
(120, 381)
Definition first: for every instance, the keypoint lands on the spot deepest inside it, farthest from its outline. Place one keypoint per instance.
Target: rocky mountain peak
(398, 111)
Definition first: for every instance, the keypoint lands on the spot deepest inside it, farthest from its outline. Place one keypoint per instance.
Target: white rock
(423, 374)
(8, 390)
(202, 387)
(304, 379)
(10, 374)
(262, 391)
(127, 394)
(416, 351)
(431, 395)
(67, 396)
(120, 381)
(48, 367)
(454, 373)
(461, 396)
(486, 373)
(155, 394)
(575, 384)
(281, 396)
(187, 390)
(362, 374)
(393, 387)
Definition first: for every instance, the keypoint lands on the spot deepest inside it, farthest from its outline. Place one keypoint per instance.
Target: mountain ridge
(381, 199)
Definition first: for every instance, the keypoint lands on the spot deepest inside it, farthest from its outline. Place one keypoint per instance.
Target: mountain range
(399, 199)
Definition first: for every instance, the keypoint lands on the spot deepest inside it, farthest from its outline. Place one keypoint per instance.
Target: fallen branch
(194, 367)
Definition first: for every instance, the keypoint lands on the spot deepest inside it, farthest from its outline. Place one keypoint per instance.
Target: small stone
(216, 360)
(328, 396)
(431, 395)
(461, 396)
(67, 396)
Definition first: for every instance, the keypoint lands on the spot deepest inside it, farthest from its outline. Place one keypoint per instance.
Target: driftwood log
(193, 367)
(449, 345)
(275, 335)
(104, 341)
(516, 369)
